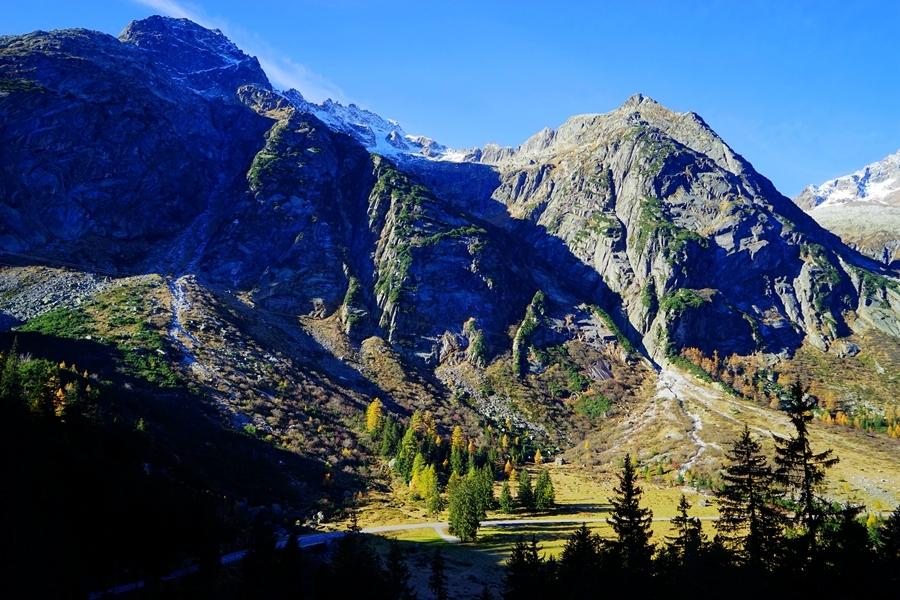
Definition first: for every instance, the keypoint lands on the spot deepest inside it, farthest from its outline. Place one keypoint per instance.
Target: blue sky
(806, 91)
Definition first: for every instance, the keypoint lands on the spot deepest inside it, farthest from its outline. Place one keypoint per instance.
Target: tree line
(457, 474)
(776, 536)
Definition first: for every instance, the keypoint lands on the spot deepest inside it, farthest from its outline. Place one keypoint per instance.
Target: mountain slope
(300, 267)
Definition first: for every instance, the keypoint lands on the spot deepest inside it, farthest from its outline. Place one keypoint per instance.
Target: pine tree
(506, 500)
(525, 493)
(630, 522)
(544, 495)
(798, 468)
(437, 581)
(749, 520)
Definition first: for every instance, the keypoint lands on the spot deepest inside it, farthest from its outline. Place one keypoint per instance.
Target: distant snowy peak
(377, 134)
(878, 183)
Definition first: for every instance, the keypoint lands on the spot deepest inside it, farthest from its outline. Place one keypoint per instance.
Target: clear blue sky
(806, 91)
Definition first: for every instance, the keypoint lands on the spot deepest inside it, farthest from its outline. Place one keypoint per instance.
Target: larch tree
(374, 417)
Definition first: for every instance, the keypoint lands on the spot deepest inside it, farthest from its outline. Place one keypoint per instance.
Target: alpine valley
(224, 277)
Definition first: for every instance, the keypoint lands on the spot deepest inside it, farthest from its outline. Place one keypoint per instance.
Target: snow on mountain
(862, 208)
(877, 183)
(377, 134)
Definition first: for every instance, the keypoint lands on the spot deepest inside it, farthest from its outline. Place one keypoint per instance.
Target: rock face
(657, 210)
(863, 208)
(168, 151)
(101, 143)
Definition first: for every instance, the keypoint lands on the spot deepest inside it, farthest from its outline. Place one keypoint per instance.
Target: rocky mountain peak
(203, 59)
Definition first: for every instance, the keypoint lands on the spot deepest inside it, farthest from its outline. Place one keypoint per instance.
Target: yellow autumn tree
(429, 424)
(374, 416)
(507, 468)
(456, 439)
(538, 459)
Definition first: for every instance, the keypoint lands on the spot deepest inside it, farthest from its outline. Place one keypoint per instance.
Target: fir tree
(390, 437)
(409, 447)
(544, 495)
(525, 493)
(889, 538)
(506, 500)
(630, 522)
(749, 520)
(525, 576)
(437, 580)
(397, 578)
(689, 539)
(580, 564)
(465, 510)
(798, 468)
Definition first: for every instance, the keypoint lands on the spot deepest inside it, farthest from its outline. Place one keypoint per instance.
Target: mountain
(862, 208)
(226, 261)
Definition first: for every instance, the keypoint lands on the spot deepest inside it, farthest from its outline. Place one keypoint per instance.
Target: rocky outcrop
(167, 150)
(98, 142)
(657, 206)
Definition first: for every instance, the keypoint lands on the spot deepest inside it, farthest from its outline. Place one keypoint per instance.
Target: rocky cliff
(634, 232)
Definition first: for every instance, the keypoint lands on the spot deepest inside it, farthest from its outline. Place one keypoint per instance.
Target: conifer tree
(374, 416)
(506, 500)
(525, 574)
(10, 380)
(689, 538)
(409, 447)
(630, 522)
(749, 521)
(390, 437)
(544, 495)
(525, 493)
(465, 510)
(889, 538)
(397, 574)
(800, 470)
(437, 580)
(579, 564)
